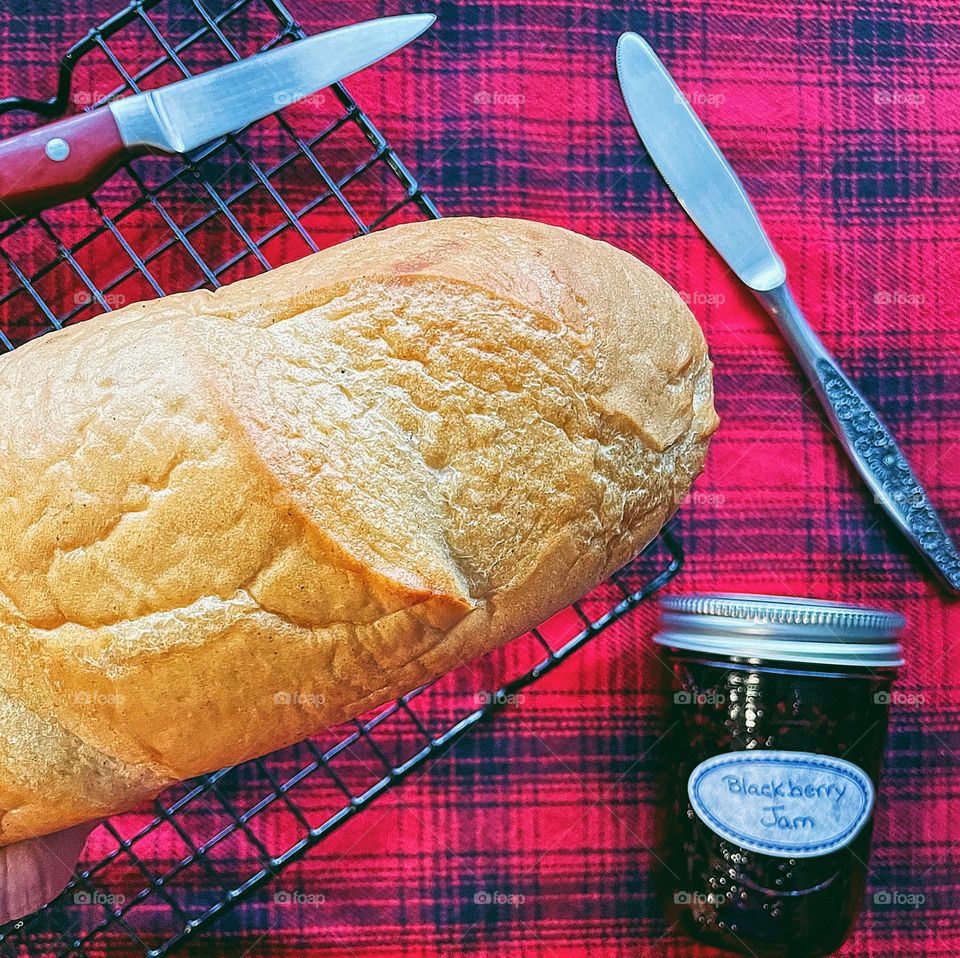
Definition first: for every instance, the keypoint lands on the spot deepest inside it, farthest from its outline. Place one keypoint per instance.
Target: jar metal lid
(774, 627)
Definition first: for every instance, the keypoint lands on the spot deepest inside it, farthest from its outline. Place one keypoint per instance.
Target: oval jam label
(785, 804)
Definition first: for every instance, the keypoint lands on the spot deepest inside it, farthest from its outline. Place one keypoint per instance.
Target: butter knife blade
(693, 166)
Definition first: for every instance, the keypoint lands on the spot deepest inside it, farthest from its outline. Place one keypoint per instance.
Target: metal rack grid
(316, 173)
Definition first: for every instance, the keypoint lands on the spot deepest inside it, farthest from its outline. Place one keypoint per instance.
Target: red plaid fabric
(533, 837)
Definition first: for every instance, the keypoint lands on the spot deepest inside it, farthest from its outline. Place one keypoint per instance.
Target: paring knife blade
(68, 158)
(186, 114)
(713, 196)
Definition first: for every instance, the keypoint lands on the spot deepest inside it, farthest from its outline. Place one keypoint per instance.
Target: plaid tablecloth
(533, 838)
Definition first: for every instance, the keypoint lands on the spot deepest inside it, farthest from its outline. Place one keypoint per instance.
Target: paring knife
(67, 159)
(714, 198)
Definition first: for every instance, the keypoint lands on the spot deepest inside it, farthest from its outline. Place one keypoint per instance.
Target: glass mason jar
(770, 762)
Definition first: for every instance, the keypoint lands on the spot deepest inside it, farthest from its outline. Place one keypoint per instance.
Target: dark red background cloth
(843, 119)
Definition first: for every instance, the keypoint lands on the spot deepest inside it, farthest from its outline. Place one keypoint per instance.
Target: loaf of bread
(231, 519)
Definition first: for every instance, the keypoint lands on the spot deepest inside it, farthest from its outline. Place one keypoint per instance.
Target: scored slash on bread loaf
(231, 519)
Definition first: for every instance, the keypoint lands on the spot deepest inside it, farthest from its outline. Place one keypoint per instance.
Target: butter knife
(714, 198)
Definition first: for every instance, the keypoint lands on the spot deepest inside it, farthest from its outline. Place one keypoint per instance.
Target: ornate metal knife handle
(869, 444)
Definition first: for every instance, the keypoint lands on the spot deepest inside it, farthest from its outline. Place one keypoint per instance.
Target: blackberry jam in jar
(775, 729)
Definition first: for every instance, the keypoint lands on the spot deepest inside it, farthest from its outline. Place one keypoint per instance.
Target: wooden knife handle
(58, 162)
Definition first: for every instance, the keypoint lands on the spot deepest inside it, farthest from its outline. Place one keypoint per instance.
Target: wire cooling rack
(316, 173)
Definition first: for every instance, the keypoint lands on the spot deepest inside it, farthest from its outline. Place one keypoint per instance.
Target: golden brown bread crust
(232, 519)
